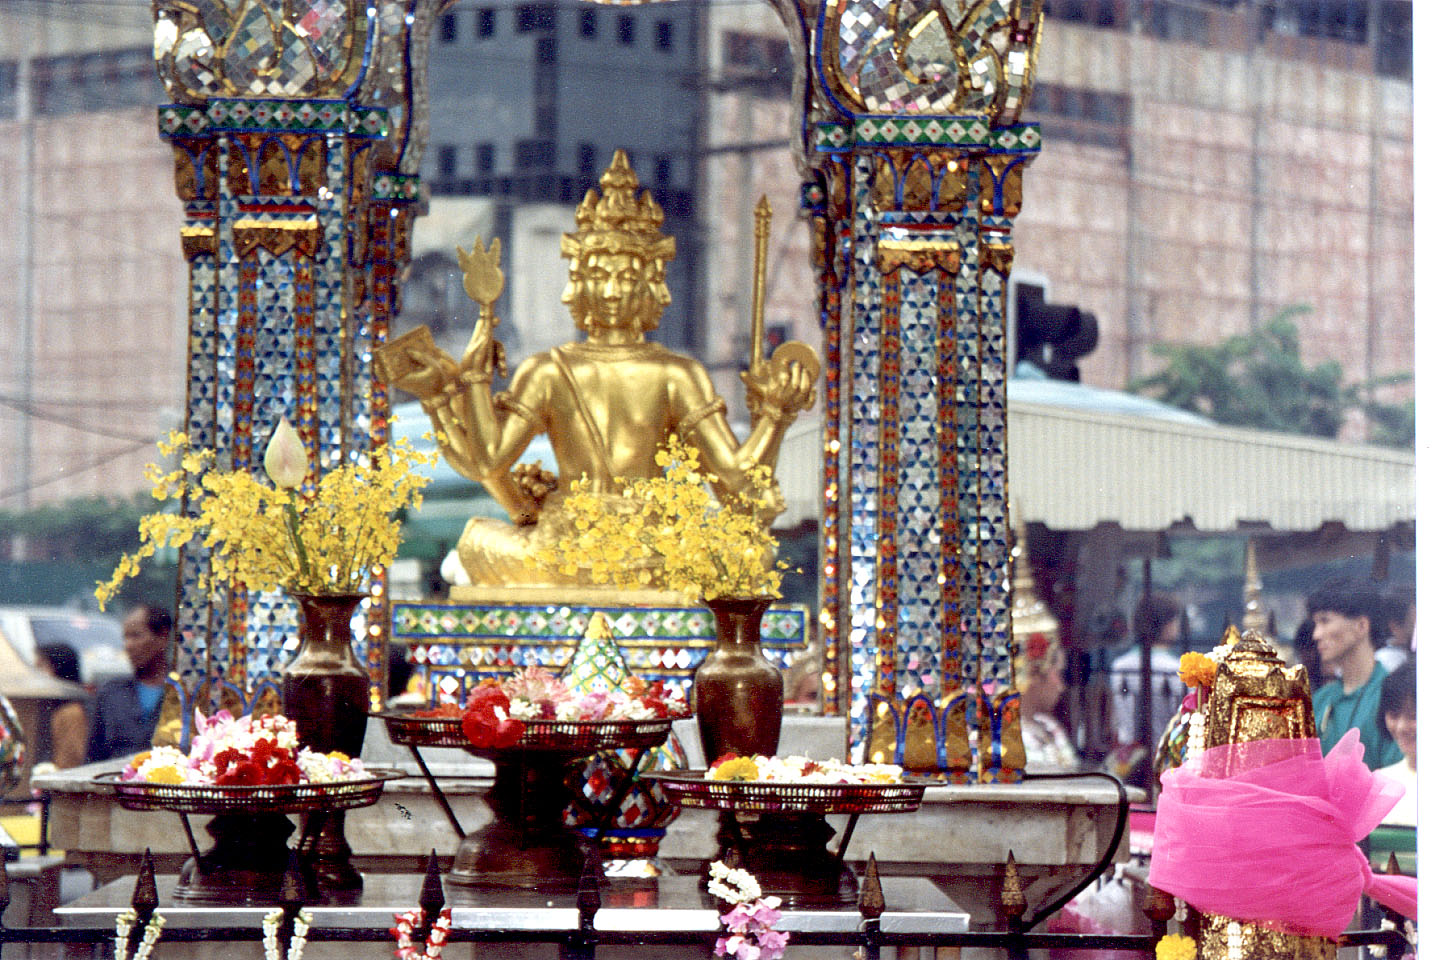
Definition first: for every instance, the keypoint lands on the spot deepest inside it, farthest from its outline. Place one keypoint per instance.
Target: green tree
(1259, 380)
(68, 546)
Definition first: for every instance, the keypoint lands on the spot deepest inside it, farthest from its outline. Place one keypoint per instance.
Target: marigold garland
(1197, 670)
(1172, 946)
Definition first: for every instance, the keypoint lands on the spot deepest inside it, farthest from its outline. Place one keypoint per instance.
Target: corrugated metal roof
(1075, 464)
(1073, 469)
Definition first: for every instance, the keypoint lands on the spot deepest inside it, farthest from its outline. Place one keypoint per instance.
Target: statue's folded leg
(494, 553)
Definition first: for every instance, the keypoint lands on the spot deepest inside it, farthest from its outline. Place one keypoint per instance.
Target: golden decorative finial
(1254, 617)
(757, 293)
(872, 897)
(1029, 616)
(615, 219)
(1012, 898)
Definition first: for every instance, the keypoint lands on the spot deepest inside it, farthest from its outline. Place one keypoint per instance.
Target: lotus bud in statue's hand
(286, 462)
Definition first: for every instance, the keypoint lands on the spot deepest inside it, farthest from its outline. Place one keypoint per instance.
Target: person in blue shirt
(126, 711)
(1347, 620)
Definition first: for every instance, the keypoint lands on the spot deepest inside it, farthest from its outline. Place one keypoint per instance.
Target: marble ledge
(1045, 823)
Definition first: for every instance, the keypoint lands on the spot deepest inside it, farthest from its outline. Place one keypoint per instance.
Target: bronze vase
(738, 693)
(327, 694)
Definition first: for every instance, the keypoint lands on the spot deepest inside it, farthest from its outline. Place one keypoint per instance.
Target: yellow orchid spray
(670, 532)
(324, 540)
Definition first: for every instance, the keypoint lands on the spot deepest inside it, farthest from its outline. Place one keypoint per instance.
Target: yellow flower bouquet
(670, 532)
(316, 538)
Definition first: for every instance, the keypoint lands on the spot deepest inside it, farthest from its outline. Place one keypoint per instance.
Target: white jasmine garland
(298, 930)
(1195, 738)
(732, 884)
(124, 923)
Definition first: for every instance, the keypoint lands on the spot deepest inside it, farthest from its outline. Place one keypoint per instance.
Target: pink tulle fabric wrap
(1266, 832)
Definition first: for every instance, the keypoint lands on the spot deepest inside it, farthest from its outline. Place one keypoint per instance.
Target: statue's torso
(634, 396)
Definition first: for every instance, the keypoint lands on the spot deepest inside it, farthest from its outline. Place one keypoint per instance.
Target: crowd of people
(1356, 642)
(121, 717)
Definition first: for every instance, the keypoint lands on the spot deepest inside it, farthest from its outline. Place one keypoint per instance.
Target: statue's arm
(481, 435)
(702, 424)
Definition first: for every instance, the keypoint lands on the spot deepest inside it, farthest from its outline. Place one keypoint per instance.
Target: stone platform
(959, 838)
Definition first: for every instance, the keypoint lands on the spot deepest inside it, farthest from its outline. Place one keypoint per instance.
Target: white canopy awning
(1074, 468)
(1080, 457)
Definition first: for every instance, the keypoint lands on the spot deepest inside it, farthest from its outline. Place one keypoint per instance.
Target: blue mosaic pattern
(992, 508)
(864, 447)
(458, 645)
(274, 348)
(329, 309)
(918, 652)
(967, 398)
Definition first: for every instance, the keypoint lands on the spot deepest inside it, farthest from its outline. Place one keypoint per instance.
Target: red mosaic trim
(387, 239)
(835, 676)
(242, 440)
(306, 389)
(239, 641)
(948, 367)
(886, 574)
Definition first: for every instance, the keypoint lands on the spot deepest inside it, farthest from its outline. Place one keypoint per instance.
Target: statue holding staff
(608, 402)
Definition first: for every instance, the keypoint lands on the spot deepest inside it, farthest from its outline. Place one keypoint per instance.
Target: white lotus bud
(286, 462)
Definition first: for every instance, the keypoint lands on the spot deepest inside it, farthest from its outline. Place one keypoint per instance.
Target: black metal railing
(1018, 939)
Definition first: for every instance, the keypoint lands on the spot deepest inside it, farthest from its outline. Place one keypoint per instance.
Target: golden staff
(757, 313)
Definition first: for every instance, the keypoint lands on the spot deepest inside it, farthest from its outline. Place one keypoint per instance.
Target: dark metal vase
(327, 694)
(738, 693)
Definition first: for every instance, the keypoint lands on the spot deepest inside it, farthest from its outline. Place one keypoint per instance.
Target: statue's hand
(537, 482)
(427, 374)
(483, 277)
(779, 388)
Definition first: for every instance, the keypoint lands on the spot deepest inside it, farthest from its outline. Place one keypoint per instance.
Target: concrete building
(528, 102)
(1206, 163)
(92, 285)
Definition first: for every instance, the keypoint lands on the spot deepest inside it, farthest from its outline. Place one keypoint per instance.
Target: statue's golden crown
(616, 220)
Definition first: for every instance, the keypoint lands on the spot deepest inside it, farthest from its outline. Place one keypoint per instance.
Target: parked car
(97, 639)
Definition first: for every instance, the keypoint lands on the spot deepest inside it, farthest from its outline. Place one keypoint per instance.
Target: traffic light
(1053, 336)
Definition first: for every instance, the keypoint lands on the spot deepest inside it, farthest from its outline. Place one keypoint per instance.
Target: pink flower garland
(751, 934)
(404, 928)
(751, 919)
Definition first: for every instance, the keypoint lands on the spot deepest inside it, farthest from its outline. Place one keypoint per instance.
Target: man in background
(1347, 619)
(1395, 648)
(126, 711)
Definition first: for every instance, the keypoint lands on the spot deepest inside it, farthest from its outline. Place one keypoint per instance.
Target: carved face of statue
(616, 291)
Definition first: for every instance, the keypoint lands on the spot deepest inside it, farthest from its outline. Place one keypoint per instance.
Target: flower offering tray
(272, 799)
(527, 844)
(689, 788)
(777, 830)
(250, 859)
(575, 737)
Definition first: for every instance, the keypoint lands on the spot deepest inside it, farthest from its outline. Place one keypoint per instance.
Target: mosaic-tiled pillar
(918, 163)
(296, 131)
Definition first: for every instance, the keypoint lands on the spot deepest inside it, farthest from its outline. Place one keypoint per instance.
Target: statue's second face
(616, 291)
